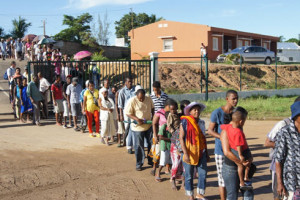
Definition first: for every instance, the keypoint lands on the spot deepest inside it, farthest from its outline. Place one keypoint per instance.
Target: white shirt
(44, 85)
(203, 51)
(37, 51)
(10, 73)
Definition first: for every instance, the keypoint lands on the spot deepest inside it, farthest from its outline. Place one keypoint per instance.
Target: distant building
(177, 39)
(288, 52)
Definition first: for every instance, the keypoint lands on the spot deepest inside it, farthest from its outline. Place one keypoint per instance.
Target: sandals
(152, 172)
(158, 179)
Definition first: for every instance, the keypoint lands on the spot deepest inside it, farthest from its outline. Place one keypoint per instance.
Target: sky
(269, 17)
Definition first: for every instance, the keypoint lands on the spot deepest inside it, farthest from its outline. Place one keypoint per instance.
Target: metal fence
(116, 71)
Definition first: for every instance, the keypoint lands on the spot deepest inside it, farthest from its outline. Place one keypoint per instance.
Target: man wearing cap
(287, 156)
(73, 98)
(44, 88)
(124, 95)
(141, 109)
(35, 97)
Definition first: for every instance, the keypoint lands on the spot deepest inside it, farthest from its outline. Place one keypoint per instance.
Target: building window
(290, 58)
(215, 44)
(265, 45)
(168, 45)
(240, 43)
(246, 43)
(279, 50)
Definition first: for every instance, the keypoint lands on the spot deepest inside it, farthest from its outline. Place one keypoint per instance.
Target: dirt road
(49, 162)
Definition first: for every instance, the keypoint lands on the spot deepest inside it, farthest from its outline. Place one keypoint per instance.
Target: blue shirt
(217, 116)
(82, 95)
(124, 95)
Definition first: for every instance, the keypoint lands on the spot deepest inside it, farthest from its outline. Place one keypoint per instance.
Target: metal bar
(149, 73)
(129, 69)
(206, 79)
(276, 72)
(179, 57)
(201, 84)
(29, 72)
(240, 72)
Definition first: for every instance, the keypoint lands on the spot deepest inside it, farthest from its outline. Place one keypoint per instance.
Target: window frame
(215, 46)
(164, 46)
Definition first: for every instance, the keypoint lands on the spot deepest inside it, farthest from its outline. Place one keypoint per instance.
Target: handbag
(95, 99)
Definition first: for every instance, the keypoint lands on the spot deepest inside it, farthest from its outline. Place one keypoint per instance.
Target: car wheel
(268, 61)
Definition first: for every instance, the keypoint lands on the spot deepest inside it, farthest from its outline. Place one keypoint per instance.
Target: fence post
(240, 72)
(276, 72)
(129, 68)
(29, 72)
(206, 78)
(154, 68)
(201, 84)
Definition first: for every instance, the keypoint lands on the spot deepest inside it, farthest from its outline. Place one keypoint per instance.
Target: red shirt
(236, 137)
(57, 90)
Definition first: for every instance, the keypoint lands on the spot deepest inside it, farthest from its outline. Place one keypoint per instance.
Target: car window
(249, 50)
(257, 49)
(263, 49)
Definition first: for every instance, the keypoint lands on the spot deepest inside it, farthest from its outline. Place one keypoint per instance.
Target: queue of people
(175, 140)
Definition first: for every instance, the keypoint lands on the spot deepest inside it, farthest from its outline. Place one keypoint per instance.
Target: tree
(2, 34)
(294, 40)
(101, 31)
(76, 27)
(281, 38)
(124, 25)
(20, 27)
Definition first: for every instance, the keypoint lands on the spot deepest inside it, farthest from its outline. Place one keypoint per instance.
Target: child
(165, 141)
(238, 144)
(26, 105)
(106, 116)
(17, 99)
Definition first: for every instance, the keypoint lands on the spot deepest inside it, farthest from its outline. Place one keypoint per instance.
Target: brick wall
(111, 52)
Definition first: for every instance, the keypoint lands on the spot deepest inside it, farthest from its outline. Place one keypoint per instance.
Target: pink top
(28, 45)
(162, 119)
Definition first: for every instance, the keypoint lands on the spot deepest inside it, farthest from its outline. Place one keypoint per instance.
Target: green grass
(258, 107)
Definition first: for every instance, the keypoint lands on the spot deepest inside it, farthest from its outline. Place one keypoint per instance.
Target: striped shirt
(159, 102)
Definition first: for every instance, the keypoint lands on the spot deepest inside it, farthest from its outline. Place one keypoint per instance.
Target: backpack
(5, 76)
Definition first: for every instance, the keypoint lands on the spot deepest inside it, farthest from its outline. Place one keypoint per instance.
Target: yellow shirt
(142, 110)
(90, 105)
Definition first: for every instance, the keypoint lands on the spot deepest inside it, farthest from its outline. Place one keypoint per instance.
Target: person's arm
(226, 148)
(211, 130)
(240, 153)
(53, 97)
(183, 146)
(84, 104)
(269, 143)
(121, 105)
(281, 191)
(100, 105)
(130, 113)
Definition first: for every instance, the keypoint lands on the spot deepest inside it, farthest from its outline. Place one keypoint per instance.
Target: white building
(288, 52)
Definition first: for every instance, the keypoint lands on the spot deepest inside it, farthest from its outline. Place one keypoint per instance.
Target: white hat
(138, 87)
(188, 107)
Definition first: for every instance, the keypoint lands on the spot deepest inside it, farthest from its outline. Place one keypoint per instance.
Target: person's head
(39, 46)
(75, 81)
(194, 109)
(128, 82)
(239, 116)
(141, 95)
(169, 102)
(35, 78)
(232, 98)
(68, 79)
(104, 93)
(2, 40)
(40, 76)
(91, 85)
(26, 69)
(24, 81)
(13, 64)
(114, 89)
(57, 78)
(106, 83)
(183, 104)
(156, 88)
(18, 71)
(48, 49)
(28, 40)
(173, 107)
(19, 81)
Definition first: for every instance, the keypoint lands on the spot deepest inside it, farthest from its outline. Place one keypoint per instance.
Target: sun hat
(295, 109)
(191, 105)
(138, 87)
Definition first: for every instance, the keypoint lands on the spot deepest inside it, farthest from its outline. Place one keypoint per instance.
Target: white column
(154, 67)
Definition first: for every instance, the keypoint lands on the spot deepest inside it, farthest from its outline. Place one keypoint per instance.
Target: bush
(99, 56)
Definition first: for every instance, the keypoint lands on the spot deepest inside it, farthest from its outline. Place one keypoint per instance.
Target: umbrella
(46, 41)
(40, 37)
(82, 54)
(29, 36)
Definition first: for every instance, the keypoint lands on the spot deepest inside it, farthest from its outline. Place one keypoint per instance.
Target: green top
(164, 145)
(33, 91)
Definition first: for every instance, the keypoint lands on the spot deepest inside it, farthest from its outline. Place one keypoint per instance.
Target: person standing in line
(287, 157)
(124, 95)
(141, 109)
(26, 105)
(35, 97)
(73, 92)
(19, 49)
(57, 97)
(3, 49)
(67, 111)
(17, 97)
(218, 117)
(107, 113)
(121, 128)
(44, 88)
(194, 147)
(91, 108)
(203, 50)
(10, 74)
(83, 122)
(158, 96)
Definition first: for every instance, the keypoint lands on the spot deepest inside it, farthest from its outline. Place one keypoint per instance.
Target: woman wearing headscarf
(107, 116)
(194, 147)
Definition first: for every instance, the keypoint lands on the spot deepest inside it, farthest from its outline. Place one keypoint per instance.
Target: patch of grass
(258, 107)
(175, 91)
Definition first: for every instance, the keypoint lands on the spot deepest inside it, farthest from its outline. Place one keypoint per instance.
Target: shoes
(76, 129)
(130, 151)
(139, 169)
(64, 126)
(91, 135)
(97, 135)
(70, 126)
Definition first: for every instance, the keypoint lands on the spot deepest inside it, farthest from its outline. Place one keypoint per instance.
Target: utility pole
(131, 13)
(44, 24)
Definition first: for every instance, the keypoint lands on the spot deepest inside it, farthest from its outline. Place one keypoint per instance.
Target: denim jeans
(232, 184)
(130, 136)
(189, 174)
(139, 137)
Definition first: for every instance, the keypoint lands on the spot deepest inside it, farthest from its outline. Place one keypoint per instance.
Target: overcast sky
(270, 17)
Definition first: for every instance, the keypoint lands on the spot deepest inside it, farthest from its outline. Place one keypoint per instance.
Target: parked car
(251, 54)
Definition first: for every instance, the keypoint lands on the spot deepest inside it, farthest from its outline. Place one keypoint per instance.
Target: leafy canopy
(20, 27)
(77, 27)
(124, 25)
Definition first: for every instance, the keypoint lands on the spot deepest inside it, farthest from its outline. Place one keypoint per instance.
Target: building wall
(186, 42)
